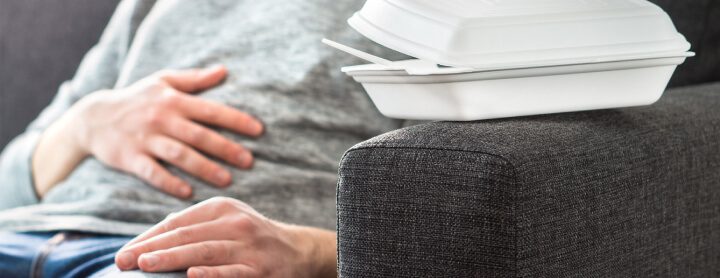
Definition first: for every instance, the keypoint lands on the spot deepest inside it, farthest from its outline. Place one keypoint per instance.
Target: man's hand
(130, 129)
(223, 237)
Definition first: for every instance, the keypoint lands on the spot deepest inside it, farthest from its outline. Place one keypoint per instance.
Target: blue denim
(62, 254)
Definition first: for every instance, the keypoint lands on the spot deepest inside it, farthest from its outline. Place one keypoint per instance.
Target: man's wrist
(319, 250)
(327, 250)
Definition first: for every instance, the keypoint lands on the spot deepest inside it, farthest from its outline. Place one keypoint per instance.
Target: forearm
(56, 154)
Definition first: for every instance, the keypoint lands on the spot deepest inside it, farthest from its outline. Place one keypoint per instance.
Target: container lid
(492, 34)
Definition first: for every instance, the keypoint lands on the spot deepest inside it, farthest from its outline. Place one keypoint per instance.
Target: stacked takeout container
(482, 59)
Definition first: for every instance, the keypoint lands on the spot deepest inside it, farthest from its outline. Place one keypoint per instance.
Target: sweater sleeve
(98, 70)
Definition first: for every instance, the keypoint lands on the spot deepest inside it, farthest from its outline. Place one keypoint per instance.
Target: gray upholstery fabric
(41, 44)
(614, 193)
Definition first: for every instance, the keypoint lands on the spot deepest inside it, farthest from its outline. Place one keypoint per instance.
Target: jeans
(62, 254)
(65, 254)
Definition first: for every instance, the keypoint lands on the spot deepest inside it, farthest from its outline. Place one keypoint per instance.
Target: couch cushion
(622, 193)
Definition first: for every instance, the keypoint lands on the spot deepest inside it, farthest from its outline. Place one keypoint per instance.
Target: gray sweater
(279, 72)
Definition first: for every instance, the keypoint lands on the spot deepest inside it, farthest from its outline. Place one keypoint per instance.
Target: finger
(194, 80)
(152, 172)
(198, 213)
(188, 160)
(223, 271)
(208, 141)
(220, 115)
(206, 253)
(206, 231)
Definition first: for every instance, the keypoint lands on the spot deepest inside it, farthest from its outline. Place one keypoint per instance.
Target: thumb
(194, 80)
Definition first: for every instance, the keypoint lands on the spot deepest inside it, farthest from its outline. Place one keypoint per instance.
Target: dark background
(42, 42)
(41, 45)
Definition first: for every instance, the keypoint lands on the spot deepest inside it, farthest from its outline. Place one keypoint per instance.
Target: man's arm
(98, 70)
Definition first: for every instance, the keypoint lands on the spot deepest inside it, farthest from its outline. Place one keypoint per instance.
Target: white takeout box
(516, 57)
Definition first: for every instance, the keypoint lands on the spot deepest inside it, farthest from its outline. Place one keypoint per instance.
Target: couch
(631, 192)
(623, 192)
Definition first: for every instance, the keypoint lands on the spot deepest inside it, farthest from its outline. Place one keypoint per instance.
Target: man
(179, 102)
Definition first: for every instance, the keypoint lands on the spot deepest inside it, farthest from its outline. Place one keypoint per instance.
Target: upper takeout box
(499, 34)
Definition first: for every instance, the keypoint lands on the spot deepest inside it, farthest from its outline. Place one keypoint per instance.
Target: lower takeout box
(515, 58)
(478, 95)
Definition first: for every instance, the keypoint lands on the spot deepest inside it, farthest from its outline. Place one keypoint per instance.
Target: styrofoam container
(517, 57)
(516, 92)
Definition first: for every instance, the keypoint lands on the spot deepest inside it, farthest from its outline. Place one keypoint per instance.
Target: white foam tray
(516, 57)
(516, 92)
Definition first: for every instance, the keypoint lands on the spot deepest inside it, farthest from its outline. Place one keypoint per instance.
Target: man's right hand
(156, 118)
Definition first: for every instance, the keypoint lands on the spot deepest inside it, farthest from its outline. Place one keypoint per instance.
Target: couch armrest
(627, 192)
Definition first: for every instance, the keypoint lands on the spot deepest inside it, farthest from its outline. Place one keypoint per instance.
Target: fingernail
(257, 128)
(150, 260)
(215, 67)
(210, 71)
(198, 272)
(185, 191)
(125, 259)
(222, 177)
(244, 159)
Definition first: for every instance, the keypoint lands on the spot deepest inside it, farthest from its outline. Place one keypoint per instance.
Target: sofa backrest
(41, 45)
(699, 21)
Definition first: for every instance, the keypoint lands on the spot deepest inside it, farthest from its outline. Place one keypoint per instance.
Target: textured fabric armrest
(620, 193)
